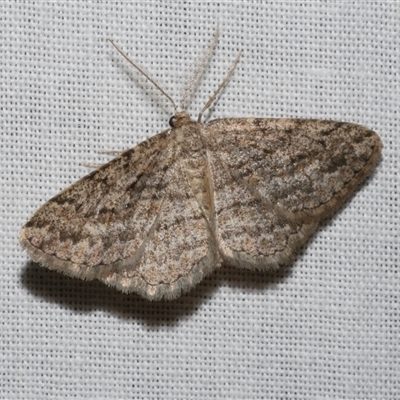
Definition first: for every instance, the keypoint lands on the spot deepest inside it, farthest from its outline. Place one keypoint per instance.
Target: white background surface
(325, 327)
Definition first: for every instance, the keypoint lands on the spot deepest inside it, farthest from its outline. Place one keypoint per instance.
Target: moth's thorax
(186, 133)
(192, 155)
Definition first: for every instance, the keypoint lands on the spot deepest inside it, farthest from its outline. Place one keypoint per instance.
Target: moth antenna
(145, 74)
(221, 86)
(197, 71)
(91, 165)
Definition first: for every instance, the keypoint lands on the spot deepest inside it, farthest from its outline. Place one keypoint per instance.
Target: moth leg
(91, 165)
(107, 152)
(112, 152)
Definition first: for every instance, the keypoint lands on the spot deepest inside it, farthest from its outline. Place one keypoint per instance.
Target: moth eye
(172, 121)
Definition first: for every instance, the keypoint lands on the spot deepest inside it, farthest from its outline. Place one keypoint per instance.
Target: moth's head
(179, 119)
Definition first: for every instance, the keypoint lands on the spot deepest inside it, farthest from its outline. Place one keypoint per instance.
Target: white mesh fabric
(325, 327)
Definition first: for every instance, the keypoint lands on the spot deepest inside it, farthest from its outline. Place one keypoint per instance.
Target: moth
(243, 192)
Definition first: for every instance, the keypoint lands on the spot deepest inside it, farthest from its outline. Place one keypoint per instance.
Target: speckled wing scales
(180, 251)
(276, 179)
(158, 218)
(129, 224)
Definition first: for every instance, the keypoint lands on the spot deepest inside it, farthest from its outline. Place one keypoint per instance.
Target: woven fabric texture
(325, 327)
